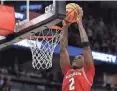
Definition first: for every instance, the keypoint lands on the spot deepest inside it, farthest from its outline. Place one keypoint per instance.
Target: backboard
(37, 16)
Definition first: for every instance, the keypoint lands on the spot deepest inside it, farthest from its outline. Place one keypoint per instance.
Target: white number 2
(71, 86)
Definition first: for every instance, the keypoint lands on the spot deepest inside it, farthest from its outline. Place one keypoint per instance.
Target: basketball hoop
(43, 45)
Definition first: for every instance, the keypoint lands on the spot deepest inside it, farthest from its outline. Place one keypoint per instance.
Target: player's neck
(76, 68)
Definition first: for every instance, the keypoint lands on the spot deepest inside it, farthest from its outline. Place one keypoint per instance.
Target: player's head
(78, 62)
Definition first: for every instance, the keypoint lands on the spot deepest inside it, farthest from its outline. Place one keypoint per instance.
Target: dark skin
(79, 61)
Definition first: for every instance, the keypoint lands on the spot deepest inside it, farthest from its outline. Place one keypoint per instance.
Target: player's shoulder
(69, 71)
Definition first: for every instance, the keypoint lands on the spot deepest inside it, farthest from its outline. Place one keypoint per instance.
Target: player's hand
(66, 23)
(80, 15)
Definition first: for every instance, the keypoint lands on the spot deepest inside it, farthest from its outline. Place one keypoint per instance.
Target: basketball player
(78, 76)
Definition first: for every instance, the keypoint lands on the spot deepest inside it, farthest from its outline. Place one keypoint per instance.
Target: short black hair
(76, 56)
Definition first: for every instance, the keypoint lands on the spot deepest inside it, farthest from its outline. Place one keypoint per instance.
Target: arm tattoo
(83, 35)
(64, 40)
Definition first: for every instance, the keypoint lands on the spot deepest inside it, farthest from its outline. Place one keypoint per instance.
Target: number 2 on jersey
(71, 85)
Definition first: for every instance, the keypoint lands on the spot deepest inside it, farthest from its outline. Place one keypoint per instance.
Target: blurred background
(100, 22)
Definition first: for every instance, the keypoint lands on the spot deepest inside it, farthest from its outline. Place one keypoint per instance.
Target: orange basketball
(72, 12)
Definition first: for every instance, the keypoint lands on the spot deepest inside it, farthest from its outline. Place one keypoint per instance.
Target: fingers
(66, 23)
(80, 15)
(80, 12)
(79, 8)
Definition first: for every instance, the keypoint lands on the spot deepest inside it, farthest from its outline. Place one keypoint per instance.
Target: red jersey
(79, 79)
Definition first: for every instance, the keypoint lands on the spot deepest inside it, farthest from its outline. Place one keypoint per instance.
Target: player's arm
(84, 40)
(89, 69)
(88, 59)
(64, 56)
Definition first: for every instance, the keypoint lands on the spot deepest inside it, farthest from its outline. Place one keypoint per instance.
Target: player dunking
(78, 76)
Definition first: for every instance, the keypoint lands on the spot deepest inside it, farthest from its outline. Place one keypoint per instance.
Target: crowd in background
(102, 32)
(101, 36)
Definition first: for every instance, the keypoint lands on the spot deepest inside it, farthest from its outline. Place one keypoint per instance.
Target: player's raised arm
(64, 56)
(84, 39)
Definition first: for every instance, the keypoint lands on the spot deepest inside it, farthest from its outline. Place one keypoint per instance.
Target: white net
(43, 47)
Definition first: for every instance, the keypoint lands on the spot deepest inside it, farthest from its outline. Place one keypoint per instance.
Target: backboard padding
(37, 24)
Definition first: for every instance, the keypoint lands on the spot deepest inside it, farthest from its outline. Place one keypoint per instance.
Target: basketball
(72, 12)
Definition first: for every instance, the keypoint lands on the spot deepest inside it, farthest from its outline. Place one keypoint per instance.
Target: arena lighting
(104, 57)
(74, 51)
(31, 7)
(19, 15)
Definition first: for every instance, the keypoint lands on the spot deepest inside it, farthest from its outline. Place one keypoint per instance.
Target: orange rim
(55, 28)
(46, 37)
(40, 37)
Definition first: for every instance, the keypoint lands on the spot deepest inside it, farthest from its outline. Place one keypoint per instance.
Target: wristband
(85, 44)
